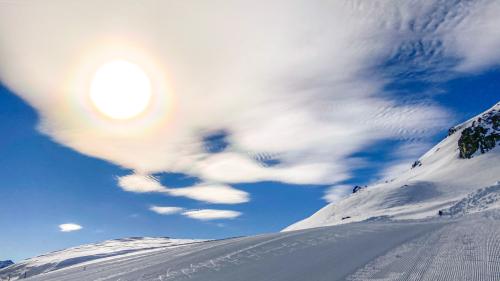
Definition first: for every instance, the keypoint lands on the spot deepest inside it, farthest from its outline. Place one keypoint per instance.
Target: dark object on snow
(357, 188)
(451, 131)
(416, 164)
(6, 263)
(344, 218)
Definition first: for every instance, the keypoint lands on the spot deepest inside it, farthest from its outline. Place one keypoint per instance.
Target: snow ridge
(464, 162)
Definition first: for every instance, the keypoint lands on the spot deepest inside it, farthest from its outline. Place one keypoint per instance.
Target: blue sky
(258, 131)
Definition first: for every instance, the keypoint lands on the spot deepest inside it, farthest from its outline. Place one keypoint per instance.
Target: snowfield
(87, 254)
(478, 201)
(467, 248)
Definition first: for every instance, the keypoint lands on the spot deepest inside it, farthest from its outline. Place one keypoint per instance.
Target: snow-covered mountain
(461, 174)
(88, 254)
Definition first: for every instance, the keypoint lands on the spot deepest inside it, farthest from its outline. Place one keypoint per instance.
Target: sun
(120, 90)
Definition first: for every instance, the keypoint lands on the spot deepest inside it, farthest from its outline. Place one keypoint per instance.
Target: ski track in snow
(329, 253)
(466, 250)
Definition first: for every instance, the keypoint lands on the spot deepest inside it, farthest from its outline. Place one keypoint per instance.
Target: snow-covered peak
(488, 114)
(466, 160)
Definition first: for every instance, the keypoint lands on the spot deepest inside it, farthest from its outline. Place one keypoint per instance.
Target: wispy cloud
(198, 214)
(297, 80)
(206, 192)
(211, 214)
(140, 183)
(212, 193)
(69, 227)
(163, 210)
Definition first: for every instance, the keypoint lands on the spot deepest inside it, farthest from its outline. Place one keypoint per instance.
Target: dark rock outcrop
(482, 136)
(357, 188)
(6, 263)
(451, 131)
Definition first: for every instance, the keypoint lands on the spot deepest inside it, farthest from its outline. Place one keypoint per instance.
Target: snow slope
(467, 248)
(89, 253)
(483, 199)
(439, 180)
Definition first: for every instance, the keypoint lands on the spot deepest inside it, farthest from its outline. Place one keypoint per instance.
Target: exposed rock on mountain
(6, 263)
(482, 135)
(461, 170)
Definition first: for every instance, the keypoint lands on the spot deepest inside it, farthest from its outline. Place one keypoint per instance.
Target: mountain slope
(85, 254)
(465, 161)
(438, 249)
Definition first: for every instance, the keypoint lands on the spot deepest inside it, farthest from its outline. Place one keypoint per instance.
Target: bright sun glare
(120, 90)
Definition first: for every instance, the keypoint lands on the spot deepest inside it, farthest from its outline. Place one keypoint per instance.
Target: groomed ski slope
(464, 250)
(467, 248)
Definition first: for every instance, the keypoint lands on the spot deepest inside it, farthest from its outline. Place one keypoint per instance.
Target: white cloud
(211, 214)
(475, 37)
(163, 210)
(206, 192)
(337, 193)
(212, 193)
(234, 167)
(295, 79)
(140, 183)
(201, 214)
(69, 227)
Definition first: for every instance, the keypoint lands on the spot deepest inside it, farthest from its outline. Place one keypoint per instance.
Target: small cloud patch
(69, 227)
(162, 210)
(212, 193)
(200, 214)
(211, 214)
(140, 183)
